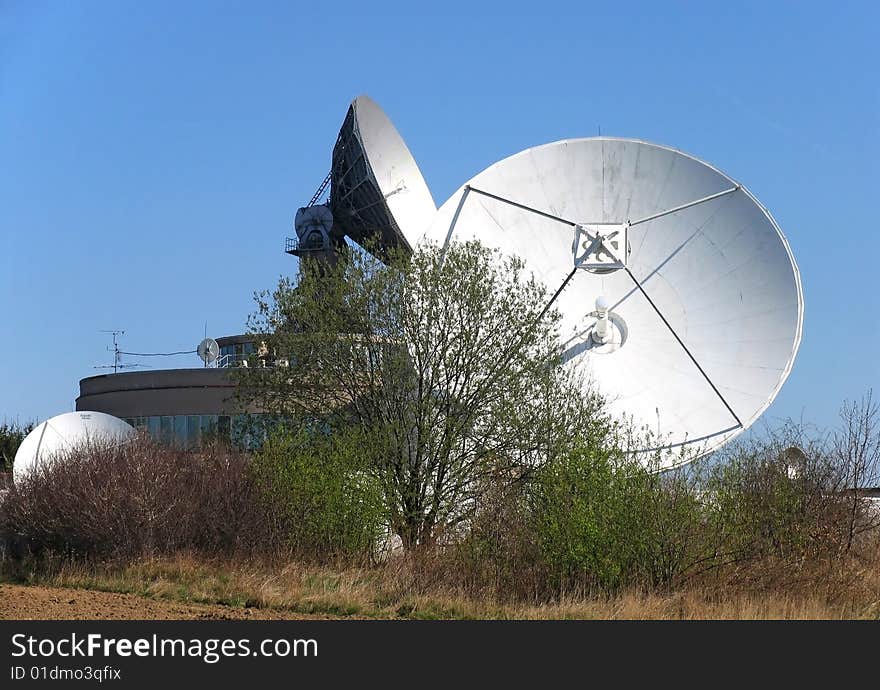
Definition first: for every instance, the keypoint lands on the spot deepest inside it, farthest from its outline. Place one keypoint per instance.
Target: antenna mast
(117, 353)
(117, 356)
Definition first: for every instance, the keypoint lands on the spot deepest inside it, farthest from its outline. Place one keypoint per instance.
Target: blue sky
(152, 155)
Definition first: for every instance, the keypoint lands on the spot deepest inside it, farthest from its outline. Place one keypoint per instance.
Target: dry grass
(764, 546)
(391, 591)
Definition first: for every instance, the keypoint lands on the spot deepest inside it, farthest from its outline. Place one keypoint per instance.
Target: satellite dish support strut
(599, 239)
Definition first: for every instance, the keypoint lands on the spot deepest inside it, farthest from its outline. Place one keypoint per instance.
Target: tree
(11, 436)
(446, 360)
(855, 448)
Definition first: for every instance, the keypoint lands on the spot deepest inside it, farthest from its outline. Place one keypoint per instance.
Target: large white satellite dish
(65, 432)
(678, 292)
(377, 193)
(376, 187)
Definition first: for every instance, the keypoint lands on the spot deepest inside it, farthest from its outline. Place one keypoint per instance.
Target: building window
(193, 430)
(166, 429)
(232, 355)
(187, 431)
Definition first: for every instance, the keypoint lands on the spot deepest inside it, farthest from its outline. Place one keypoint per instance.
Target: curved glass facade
(190, 430)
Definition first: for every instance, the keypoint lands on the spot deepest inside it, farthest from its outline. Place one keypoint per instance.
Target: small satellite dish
(208, 350)
(65, 432)
(679, 294)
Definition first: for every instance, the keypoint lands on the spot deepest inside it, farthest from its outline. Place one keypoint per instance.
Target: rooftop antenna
(117, 353)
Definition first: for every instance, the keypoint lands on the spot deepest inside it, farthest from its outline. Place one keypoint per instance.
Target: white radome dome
(64, 432)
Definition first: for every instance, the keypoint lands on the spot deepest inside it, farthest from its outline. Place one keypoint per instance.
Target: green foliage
(11, 436)
(446, 358)
(773, 501)
(603, 519)
(677, 539)
(584, 512)
(321, 492)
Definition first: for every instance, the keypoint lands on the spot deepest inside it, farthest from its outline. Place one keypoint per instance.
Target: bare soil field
(31, 602)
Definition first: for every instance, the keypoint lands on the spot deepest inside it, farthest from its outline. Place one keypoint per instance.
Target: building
(175, 405)
(363, 203)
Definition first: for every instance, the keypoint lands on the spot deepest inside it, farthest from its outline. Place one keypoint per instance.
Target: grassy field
(147, 526)
(396, 591)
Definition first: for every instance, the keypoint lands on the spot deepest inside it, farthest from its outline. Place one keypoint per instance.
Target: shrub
(136, 499)
(592, 520)
(11, 436)
(320, 491)
(579, 507)
(604, 520)
(498, 554)
(778, 497)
